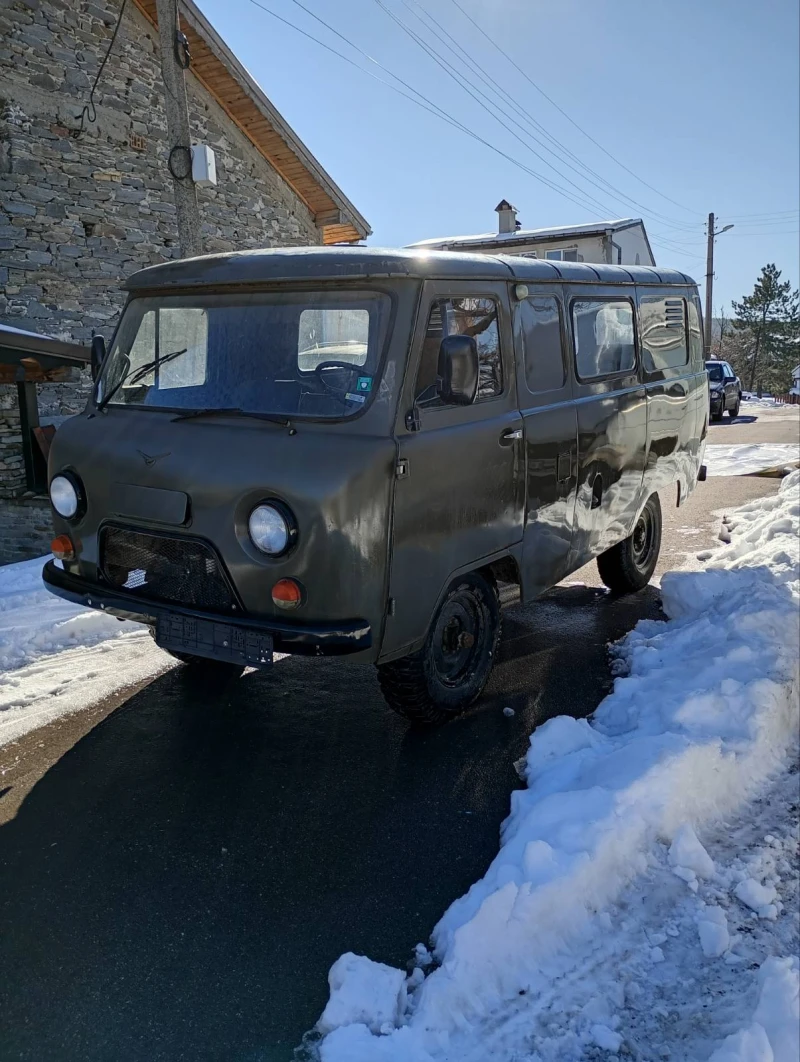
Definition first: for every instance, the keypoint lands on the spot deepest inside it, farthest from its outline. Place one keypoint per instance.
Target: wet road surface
(178, 882)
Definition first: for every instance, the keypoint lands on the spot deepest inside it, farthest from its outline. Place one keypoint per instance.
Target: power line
(417, 98)
(494, 86)
(483, 102)
(769, 214)
(561, 111)
(787, 232)
(89, 110)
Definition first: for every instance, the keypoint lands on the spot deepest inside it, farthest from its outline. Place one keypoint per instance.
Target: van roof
(356, 263)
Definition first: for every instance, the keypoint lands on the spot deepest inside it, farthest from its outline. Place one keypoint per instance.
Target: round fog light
(64, 496)
(287, 593)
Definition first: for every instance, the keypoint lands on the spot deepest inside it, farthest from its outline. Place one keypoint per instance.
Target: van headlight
(272, 528)
(65, 496)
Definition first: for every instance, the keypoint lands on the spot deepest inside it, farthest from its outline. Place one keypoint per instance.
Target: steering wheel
(348, 365)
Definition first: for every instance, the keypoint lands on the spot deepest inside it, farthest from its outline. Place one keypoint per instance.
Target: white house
(620, 242)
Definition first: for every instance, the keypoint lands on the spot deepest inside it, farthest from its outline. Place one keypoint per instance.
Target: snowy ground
(745, 459)
(644, 901)
(56, 658)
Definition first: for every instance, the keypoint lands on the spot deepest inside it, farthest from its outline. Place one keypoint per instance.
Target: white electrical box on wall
(204, 166)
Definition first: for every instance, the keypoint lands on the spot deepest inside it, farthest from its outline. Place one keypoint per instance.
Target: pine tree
(768, 325)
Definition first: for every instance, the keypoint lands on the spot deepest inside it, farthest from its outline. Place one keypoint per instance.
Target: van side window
(540, 322)
(662, 323)
(604, 336)
(695, 333)
(476, 317)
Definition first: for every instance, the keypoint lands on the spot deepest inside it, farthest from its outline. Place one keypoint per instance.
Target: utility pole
(174, 60)
(712, 233)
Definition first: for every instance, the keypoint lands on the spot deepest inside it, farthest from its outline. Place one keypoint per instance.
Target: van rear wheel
(449, 672)
(629, 565)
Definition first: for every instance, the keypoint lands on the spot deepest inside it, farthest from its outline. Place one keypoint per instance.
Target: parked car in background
(724, 389)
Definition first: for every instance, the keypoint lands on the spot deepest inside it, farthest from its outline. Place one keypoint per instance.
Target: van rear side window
(662, 322)
(604, 336)
(696, 345)
(540, 323)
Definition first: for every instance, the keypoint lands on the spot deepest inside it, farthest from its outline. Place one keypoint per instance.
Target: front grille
(181, 571)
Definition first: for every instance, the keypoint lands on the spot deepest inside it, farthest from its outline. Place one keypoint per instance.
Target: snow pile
(703, 713)
(34, 622)
(774, 1034)
(745, 459)
(56, 657)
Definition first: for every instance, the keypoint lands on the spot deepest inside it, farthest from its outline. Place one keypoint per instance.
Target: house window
(562, 255)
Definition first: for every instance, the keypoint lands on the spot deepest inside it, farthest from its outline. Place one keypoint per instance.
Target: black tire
(449, 672)
(717, 417)
(628, 566)
(734, 413)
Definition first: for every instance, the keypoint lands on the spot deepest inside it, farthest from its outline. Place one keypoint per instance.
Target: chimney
(507, 217)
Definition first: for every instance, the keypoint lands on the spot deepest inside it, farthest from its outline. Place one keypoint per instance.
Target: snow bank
(774, 1034)
(56, 658)
(745, 459)
(34, 622)
(703, 712)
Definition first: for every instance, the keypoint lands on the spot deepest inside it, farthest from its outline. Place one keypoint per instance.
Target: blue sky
(698, 100)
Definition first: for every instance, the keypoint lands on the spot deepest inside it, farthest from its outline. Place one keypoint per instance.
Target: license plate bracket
(214, 640)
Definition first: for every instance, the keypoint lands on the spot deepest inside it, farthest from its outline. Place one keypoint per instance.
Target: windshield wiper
(234, 411)
(141, 372)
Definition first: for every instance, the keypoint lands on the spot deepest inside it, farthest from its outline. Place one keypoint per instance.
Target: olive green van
(345, 450)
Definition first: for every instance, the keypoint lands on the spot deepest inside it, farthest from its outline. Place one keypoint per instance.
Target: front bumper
(310, 640)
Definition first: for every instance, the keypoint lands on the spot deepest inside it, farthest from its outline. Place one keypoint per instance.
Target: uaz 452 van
(342, 451)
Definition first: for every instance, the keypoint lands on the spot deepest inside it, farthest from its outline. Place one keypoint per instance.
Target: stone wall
(27, 529)
(78, 215)
(12, 465)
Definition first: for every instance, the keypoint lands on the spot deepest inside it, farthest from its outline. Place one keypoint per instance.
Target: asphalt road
(182, 865)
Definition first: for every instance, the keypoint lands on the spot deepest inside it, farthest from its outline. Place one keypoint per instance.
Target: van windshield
(310, 354)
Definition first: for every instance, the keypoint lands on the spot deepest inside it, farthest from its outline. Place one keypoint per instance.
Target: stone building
(85, 203)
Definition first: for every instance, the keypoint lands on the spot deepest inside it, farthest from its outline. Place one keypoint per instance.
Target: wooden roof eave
(239, 95)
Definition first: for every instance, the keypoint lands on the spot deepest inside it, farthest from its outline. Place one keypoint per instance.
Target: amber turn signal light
(62, 549)
(287, 593)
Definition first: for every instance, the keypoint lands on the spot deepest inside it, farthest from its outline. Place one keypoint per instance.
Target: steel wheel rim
(456, 639)
(642, 539)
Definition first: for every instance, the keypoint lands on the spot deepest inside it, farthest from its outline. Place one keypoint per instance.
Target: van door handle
(510, 434)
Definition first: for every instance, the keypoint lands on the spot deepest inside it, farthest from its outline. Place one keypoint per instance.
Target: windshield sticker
(355, 398)
(364, 383)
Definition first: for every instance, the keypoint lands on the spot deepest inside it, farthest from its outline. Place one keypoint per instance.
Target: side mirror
(98, 356)
(457, 371)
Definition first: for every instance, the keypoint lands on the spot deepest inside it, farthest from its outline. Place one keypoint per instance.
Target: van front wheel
(629, 565)
(449, 672)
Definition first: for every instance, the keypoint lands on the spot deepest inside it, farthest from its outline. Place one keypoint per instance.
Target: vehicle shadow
(741, 419)
(178, 884)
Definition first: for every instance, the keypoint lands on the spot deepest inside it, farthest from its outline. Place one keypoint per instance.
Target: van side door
(671, 390)
(459, 490)
(550, 424)
(612, 417)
